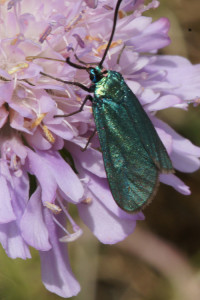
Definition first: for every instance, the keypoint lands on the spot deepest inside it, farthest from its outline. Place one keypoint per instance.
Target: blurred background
(161, 260)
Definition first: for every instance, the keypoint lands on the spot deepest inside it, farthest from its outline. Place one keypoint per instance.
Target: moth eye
(92, 77)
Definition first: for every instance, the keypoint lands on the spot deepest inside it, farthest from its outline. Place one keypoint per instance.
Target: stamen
(74, 21)
(92, 38)
(79, 40)
(45, 34)
(74, 225)
(70, 126)
(121, 14)
(53, 207)
(48, 134)
(19, 37)
(61, 226)
(37, 121)
(113, 44)
(87, 201)
(18, 68)
(14, 163)
(69, 237)
(45, 129)
(15, 81)
(108, 7)
(85, 179)
(12, 160)
(72, 237)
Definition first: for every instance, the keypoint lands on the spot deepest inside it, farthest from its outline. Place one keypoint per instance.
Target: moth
(133, 153)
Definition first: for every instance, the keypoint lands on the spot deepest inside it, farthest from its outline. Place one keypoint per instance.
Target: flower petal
(63, 174)
(6, 211)
(176, 183)
(164, 102)
(12, 242)
(90, 159)
(104, 224)
(91, 3)
(33, 227)
(152, 37)
(37, 166)
(56, 272)
(181, 73)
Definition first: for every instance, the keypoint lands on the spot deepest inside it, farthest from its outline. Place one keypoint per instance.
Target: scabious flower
(43, 170)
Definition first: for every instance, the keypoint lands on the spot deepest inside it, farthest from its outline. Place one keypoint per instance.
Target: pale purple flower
(40, 151)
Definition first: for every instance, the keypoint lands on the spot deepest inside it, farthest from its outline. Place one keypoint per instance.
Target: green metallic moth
(133, 153)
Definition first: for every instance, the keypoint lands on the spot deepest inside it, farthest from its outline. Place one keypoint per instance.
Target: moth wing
(146, 131)
(132, 151)
(131, 172)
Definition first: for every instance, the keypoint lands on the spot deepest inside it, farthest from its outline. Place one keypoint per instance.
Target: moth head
(96, 74)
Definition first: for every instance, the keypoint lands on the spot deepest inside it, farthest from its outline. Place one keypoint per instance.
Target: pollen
(14, 162)
(31, 58)
(113, 44)
(78, 99)
(38, 120)
(92, 38)
(74, 21)
(87, 201)
(15, 40)
(121, 14)
(48, 134)
(53, 207)
(18, 67)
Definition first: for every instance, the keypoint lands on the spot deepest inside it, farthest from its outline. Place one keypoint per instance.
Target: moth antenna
(31, 58)
(76, 66)
(112, 33)
(85, 63)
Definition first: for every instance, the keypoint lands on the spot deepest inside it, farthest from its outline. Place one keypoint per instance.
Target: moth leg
(88, 97)
(89, 140)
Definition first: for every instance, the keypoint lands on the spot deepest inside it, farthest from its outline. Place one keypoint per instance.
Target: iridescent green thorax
(111, 84)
